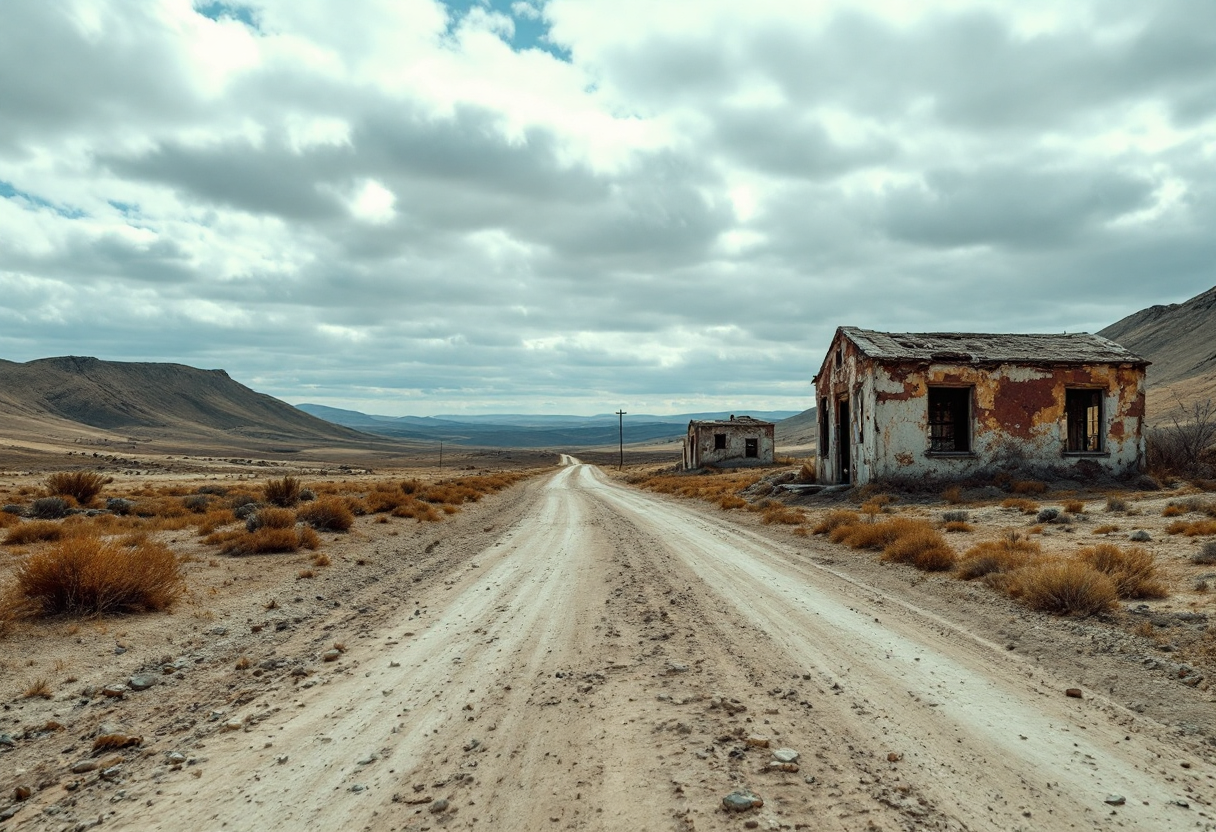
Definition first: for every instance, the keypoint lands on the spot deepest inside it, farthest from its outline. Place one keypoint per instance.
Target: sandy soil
(577, 654)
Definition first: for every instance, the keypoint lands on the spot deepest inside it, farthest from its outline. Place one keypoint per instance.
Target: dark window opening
(824, 427)
(950, 419)
(839, 357)
(844, 448)
(1084, 415)
(751, 448)
(719, 441)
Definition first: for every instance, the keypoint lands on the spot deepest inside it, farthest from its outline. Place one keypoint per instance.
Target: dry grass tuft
(1173, 511)
(306, 573)
(7, 519)
(1029, 487)
(922, 547)
(263, 541)
(33, 531)
(1021, 504)
(1074, 506)
(328, 515)
(273, 518)
(284, 492)
(422, 512)
(836, 518)
(953, 495)
(244, 663)
(1064, 587)
(39, 689)
(309, 539)
(1116, 504)
(957, 526)
(998, 557)
(113, 742)
(1133, 569)
(85, 575)
(778, 514)
(1106, 528)
(1196, 528)
(320, 559)
(81, 486)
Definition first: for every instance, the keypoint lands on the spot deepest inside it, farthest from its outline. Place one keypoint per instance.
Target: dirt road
(615, 660)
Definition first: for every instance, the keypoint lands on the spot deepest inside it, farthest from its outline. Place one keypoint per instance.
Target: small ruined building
(948, 406)
(737, 441)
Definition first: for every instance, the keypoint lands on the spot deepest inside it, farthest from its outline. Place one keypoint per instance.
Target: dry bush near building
(922, 547)
(81, 486)
(996, 557)
(1132, 569)
(1029, 487)
(835, 519)
(86, 575)
(1183, 448)
(953, 495)
(782, 515)
(1064, 587)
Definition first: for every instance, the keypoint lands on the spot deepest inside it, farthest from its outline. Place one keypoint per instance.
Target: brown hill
(1180, 340)
(94, 401)
(797, 431)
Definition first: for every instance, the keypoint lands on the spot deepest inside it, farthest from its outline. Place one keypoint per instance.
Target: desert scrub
(328, 514)
(1132, 569)
(1116, 504)
(1064, 587)
(49, 508)
(283, 492)
(1206, 556)
(88, 576)
(834, 519)
(1029, 487)
(81, 486)
(922, 547)
(271, 518)
(1021, 504)
(998, 557)
(33, 531)
(1196, 528)
(781, 515)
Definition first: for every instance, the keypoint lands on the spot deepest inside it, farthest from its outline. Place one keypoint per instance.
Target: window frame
(719, 441)
(1090, 418)
(944, 417)
(751, 448)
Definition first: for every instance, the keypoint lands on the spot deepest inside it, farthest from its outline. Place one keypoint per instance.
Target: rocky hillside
(1180, 338)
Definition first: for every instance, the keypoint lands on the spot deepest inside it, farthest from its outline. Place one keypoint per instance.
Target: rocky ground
(574, 653)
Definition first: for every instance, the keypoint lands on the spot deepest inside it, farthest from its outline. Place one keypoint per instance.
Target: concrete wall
(1017, 417)
(699, 444)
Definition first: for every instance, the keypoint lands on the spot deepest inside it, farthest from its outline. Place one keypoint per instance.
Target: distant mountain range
(525, 431)
(1180, 340)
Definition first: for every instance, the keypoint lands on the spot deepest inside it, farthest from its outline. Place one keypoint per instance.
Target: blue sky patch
(531, 28)
(235, 11)
(7, 191)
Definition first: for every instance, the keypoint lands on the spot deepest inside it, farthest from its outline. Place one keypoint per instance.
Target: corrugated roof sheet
(973, 347)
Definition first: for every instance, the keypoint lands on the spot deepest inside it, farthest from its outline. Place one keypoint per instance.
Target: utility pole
(620, 415)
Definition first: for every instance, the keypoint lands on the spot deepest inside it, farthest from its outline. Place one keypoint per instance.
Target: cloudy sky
(571, 206)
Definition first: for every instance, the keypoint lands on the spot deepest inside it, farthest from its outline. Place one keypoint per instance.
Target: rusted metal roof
(974, 347)
(736, 421)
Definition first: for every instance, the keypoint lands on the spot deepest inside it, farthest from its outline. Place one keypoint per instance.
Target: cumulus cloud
(574, 205)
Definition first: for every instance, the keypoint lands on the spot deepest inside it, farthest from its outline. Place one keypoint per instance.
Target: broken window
(824, 427)
(719, 441)
(950, 419)
(751, 448)
(1084, 415)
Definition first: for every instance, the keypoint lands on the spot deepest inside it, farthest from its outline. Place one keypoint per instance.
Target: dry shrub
(320, 559)
(778, 514)
(309, 539)
(957, 526)
(802, 531)
(1116, 504)
(1029, 487)
(162, 508)
(273, 518)
(1133, 569)
(385, 499)
(1106, 528)
(215, 518)
(328, 514)
(877, 535)
(1196, 528)
(1206, 556)
(1022, 504)
(1173, 511)
(283, 492)
(39, 689)
(1074, 506)
(806, 473)
(113, 742)
(81, 486)
(953, 495)
(306, 573)
(410, 487)
(730, 501)
(86, 575)
(921, 546)
(266, 540)
(7, 519)
(244, 663)
(997, 557)
(422, 512)
(709, 487)
(835, 519)
(1064, 587)
(34, 531)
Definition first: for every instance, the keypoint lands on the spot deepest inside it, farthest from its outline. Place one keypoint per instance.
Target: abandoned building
(737, 441)
(952, 406)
